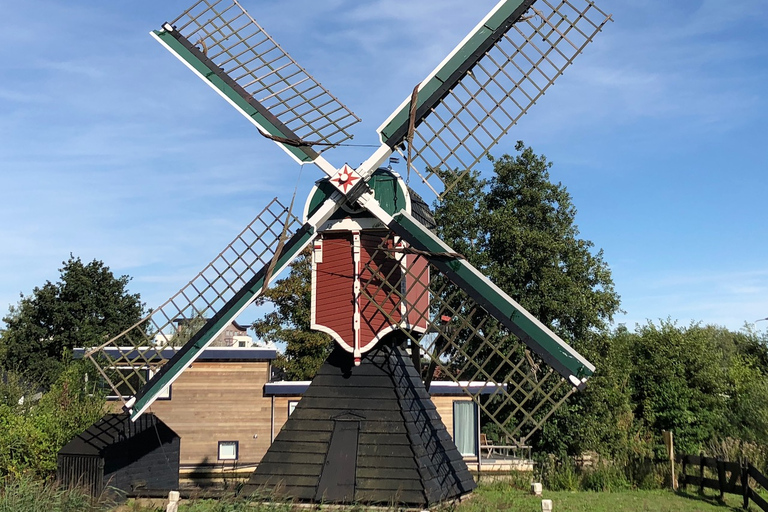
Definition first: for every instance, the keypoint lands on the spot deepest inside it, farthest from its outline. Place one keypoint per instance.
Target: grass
(500, 497)
(30, 496)
(496, 497)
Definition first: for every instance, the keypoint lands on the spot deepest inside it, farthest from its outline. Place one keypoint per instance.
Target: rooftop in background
(448, 388)
(209, 354)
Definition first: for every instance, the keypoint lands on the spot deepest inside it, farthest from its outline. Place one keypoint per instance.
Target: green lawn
(496, 497)
(503, 497)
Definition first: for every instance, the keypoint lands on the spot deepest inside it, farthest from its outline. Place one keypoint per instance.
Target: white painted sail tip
(576, 381)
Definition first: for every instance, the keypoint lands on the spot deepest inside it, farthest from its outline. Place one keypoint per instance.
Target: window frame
(236, 445)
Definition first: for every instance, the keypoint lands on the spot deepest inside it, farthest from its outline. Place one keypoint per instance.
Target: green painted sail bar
(226, 87)
(533, 333)
(194, 347)
(455, 67)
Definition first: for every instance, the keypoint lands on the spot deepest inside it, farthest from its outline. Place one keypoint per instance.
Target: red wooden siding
(417, 294)
(379, 263)
(333, 282)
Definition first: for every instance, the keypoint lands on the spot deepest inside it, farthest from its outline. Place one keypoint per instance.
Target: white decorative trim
(356, 249)
(358, 224)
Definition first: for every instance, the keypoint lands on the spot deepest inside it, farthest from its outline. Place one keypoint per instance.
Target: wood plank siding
(220, 401)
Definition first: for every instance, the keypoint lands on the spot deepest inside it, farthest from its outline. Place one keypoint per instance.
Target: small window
(291, 406)
(228, 450)
(465, 424)
(165, 394)
(241, 344)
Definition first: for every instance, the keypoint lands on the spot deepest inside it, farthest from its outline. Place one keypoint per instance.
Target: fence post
(745, 482)
(683, 474)
(669, 442)
(701, 472)
(721, 477)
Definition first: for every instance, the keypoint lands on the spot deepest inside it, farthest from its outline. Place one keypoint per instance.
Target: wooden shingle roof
(365, 434)
(113, 429)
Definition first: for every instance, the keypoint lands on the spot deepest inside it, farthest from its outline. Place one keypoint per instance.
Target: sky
(110, 149)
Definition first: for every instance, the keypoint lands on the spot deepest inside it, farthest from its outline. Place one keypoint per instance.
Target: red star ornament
(345, 178)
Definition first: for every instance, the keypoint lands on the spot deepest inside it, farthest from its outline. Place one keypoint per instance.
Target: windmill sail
(225, 47)
(192, 317)
(473, 98)
(516, 382)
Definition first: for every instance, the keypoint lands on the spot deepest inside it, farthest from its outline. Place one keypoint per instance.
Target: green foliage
(238, 504)
(605, 478)
(33, 430)
(289, 323)
(519, 229)
(703, 383)
(561, 476)
(84, 308)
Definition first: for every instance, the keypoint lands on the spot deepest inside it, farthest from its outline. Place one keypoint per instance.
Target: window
(228, 450)
(241, 344)
(291, 406)
(165, 394)
(465, 427)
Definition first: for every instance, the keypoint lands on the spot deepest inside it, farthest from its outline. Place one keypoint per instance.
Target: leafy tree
(289, 323)
(87, 306)
(519, 229)
(704, 383)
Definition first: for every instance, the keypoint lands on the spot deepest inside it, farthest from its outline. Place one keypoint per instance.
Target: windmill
(406, 288)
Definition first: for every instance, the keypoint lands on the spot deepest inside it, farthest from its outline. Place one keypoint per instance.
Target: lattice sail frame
(466, 345)
(245, 52)
(176, 321)
(482, 107)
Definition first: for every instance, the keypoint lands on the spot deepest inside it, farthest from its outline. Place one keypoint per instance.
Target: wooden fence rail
(732, 477)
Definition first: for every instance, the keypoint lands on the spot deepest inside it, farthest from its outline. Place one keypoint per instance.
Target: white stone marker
(546, 505)
(173, 501)
(536, 489)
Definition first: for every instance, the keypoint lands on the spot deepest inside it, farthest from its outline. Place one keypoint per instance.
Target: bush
(33, 429)
(606, 478)
(558, 474)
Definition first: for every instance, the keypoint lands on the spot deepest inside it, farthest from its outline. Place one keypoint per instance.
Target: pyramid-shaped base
(365, 434)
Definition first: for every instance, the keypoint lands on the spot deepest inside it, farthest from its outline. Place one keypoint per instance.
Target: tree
(289, 323)
(87, 306)
(519, 229)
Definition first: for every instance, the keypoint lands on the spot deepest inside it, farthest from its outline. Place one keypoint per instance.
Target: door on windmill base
(339, 473)
(466, 427)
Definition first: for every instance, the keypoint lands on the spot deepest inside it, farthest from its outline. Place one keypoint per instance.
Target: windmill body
(378, 267)
(351, 255)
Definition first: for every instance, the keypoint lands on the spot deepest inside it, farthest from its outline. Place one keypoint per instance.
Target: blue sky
(111, 149)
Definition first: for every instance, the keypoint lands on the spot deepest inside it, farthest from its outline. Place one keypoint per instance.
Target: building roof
(437, 388)
(421, 210)
(113, 429)
(209, 354)
(364, 434)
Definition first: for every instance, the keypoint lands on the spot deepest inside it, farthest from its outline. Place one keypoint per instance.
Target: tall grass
(563, 474)
(25, 494)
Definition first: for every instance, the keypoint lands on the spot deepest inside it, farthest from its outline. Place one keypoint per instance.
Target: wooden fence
(732, 477)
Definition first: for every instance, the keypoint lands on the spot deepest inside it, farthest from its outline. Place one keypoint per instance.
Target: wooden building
(117, 454)
(227, 412)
